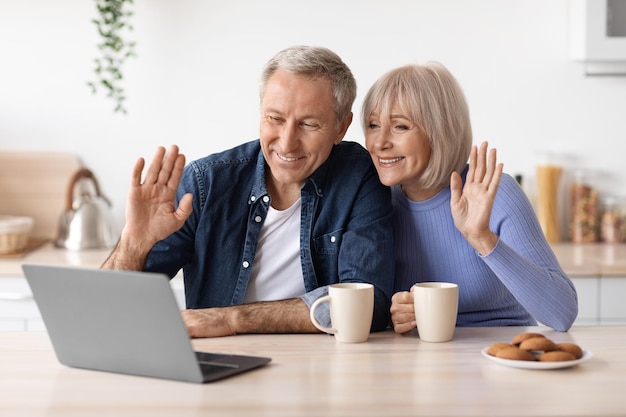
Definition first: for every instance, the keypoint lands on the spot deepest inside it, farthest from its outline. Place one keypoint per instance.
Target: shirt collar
(317, 180)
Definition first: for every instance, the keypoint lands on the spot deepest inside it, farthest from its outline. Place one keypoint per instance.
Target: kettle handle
(81, 173)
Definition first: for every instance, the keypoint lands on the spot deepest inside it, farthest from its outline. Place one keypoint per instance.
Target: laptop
(124, 322)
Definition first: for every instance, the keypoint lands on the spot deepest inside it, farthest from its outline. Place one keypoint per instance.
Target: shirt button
(258, 219)
(253, 198)
(333, 239)
(266, 199)
(245, 264)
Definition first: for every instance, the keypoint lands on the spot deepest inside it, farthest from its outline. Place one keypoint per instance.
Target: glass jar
(613, 220)
(621, 210)
(548, 181)
(585, 206)
(610, 221)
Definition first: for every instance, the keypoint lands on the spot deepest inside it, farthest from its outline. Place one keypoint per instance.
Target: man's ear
(343, 128)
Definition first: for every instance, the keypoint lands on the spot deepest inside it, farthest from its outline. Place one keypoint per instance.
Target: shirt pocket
(328, 244)
(326, 253)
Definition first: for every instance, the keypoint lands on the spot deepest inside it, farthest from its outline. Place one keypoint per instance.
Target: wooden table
(312, 375)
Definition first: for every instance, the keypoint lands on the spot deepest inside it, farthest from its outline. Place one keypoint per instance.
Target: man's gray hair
(316, 62)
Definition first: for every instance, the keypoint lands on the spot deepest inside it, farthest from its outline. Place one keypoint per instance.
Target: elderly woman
(457, 222)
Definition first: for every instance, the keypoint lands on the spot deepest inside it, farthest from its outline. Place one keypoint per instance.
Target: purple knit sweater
(519, 283)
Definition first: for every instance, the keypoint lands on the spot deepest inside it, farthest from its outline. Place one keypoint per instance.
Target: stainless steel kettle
(86, 222)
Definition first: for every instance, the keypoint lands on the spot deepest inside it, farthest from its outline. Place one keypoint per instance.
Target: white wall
(195, 80)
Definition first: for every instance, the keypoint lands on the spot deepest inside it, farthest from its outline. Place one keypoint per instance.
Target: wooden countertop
(313, 375)
(49, 254)
(578, 260)
(591, 259)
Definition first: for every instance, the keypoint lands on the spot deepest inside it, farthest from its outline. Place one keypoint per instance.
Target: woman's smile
(388, 161)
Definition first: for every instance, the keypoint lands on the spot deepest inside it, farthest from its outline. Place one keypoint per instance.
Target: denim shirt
(345, 234)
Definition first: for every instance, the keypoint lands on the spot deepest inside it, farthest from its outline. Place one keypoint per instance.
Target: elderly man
(262, 229)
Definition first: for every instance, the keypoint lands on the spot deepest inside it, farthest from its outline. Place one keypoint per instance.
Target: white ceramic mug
(436, 306)
(351, 311)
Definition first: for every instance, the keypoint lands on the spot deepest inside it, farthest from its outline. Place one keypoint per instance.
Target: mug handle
(317, 302)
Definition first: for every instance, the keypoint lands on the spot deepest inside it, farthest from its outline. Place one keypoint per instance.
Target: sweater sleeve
(525, 263)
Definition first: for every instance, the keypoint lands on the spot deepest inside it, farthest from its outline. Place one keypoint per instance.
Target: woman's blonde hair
(431, 98)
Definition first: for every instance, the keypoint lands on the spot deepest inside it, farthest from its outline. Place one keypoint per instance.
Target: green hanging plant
(113, 24)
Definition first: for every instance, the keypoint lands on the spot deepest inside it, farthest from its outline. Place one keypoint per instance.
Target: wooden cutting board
(34, 184)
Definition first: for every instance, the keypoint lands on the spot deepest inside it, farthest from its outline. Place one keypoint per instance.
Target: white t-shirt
(277, 270)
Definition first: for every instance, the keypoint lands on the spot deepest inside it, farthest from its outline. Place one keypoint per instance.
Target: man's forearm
(285, 316)
(125, 257)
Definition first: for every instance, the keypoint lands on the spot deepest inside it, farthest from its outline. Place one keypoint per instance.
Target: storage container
(585, 206)
(14, 233)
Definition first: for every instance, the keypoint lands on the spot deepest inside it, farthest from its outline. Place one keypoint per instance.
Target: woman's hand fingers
(402, 312)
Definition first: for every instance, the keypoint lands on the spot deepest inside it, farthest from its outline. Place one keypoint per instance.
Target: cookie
(556, 356)
(491, 350)
(538, 343)
(514, 353)
(523, 336)
(572, 348)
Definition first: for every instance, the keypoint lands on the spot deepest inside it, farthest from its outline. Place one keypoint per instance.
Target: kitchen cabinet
(613, 300)
(598, 272)
(18, 310)
(588, 289)
(601, 299)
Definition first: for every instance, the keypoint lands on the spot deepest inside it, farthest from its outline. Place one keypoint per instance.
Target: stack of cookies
(533, 347)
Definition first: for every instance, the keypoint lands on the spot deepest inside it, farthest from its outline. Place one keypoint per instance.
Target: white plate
(536, 364)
